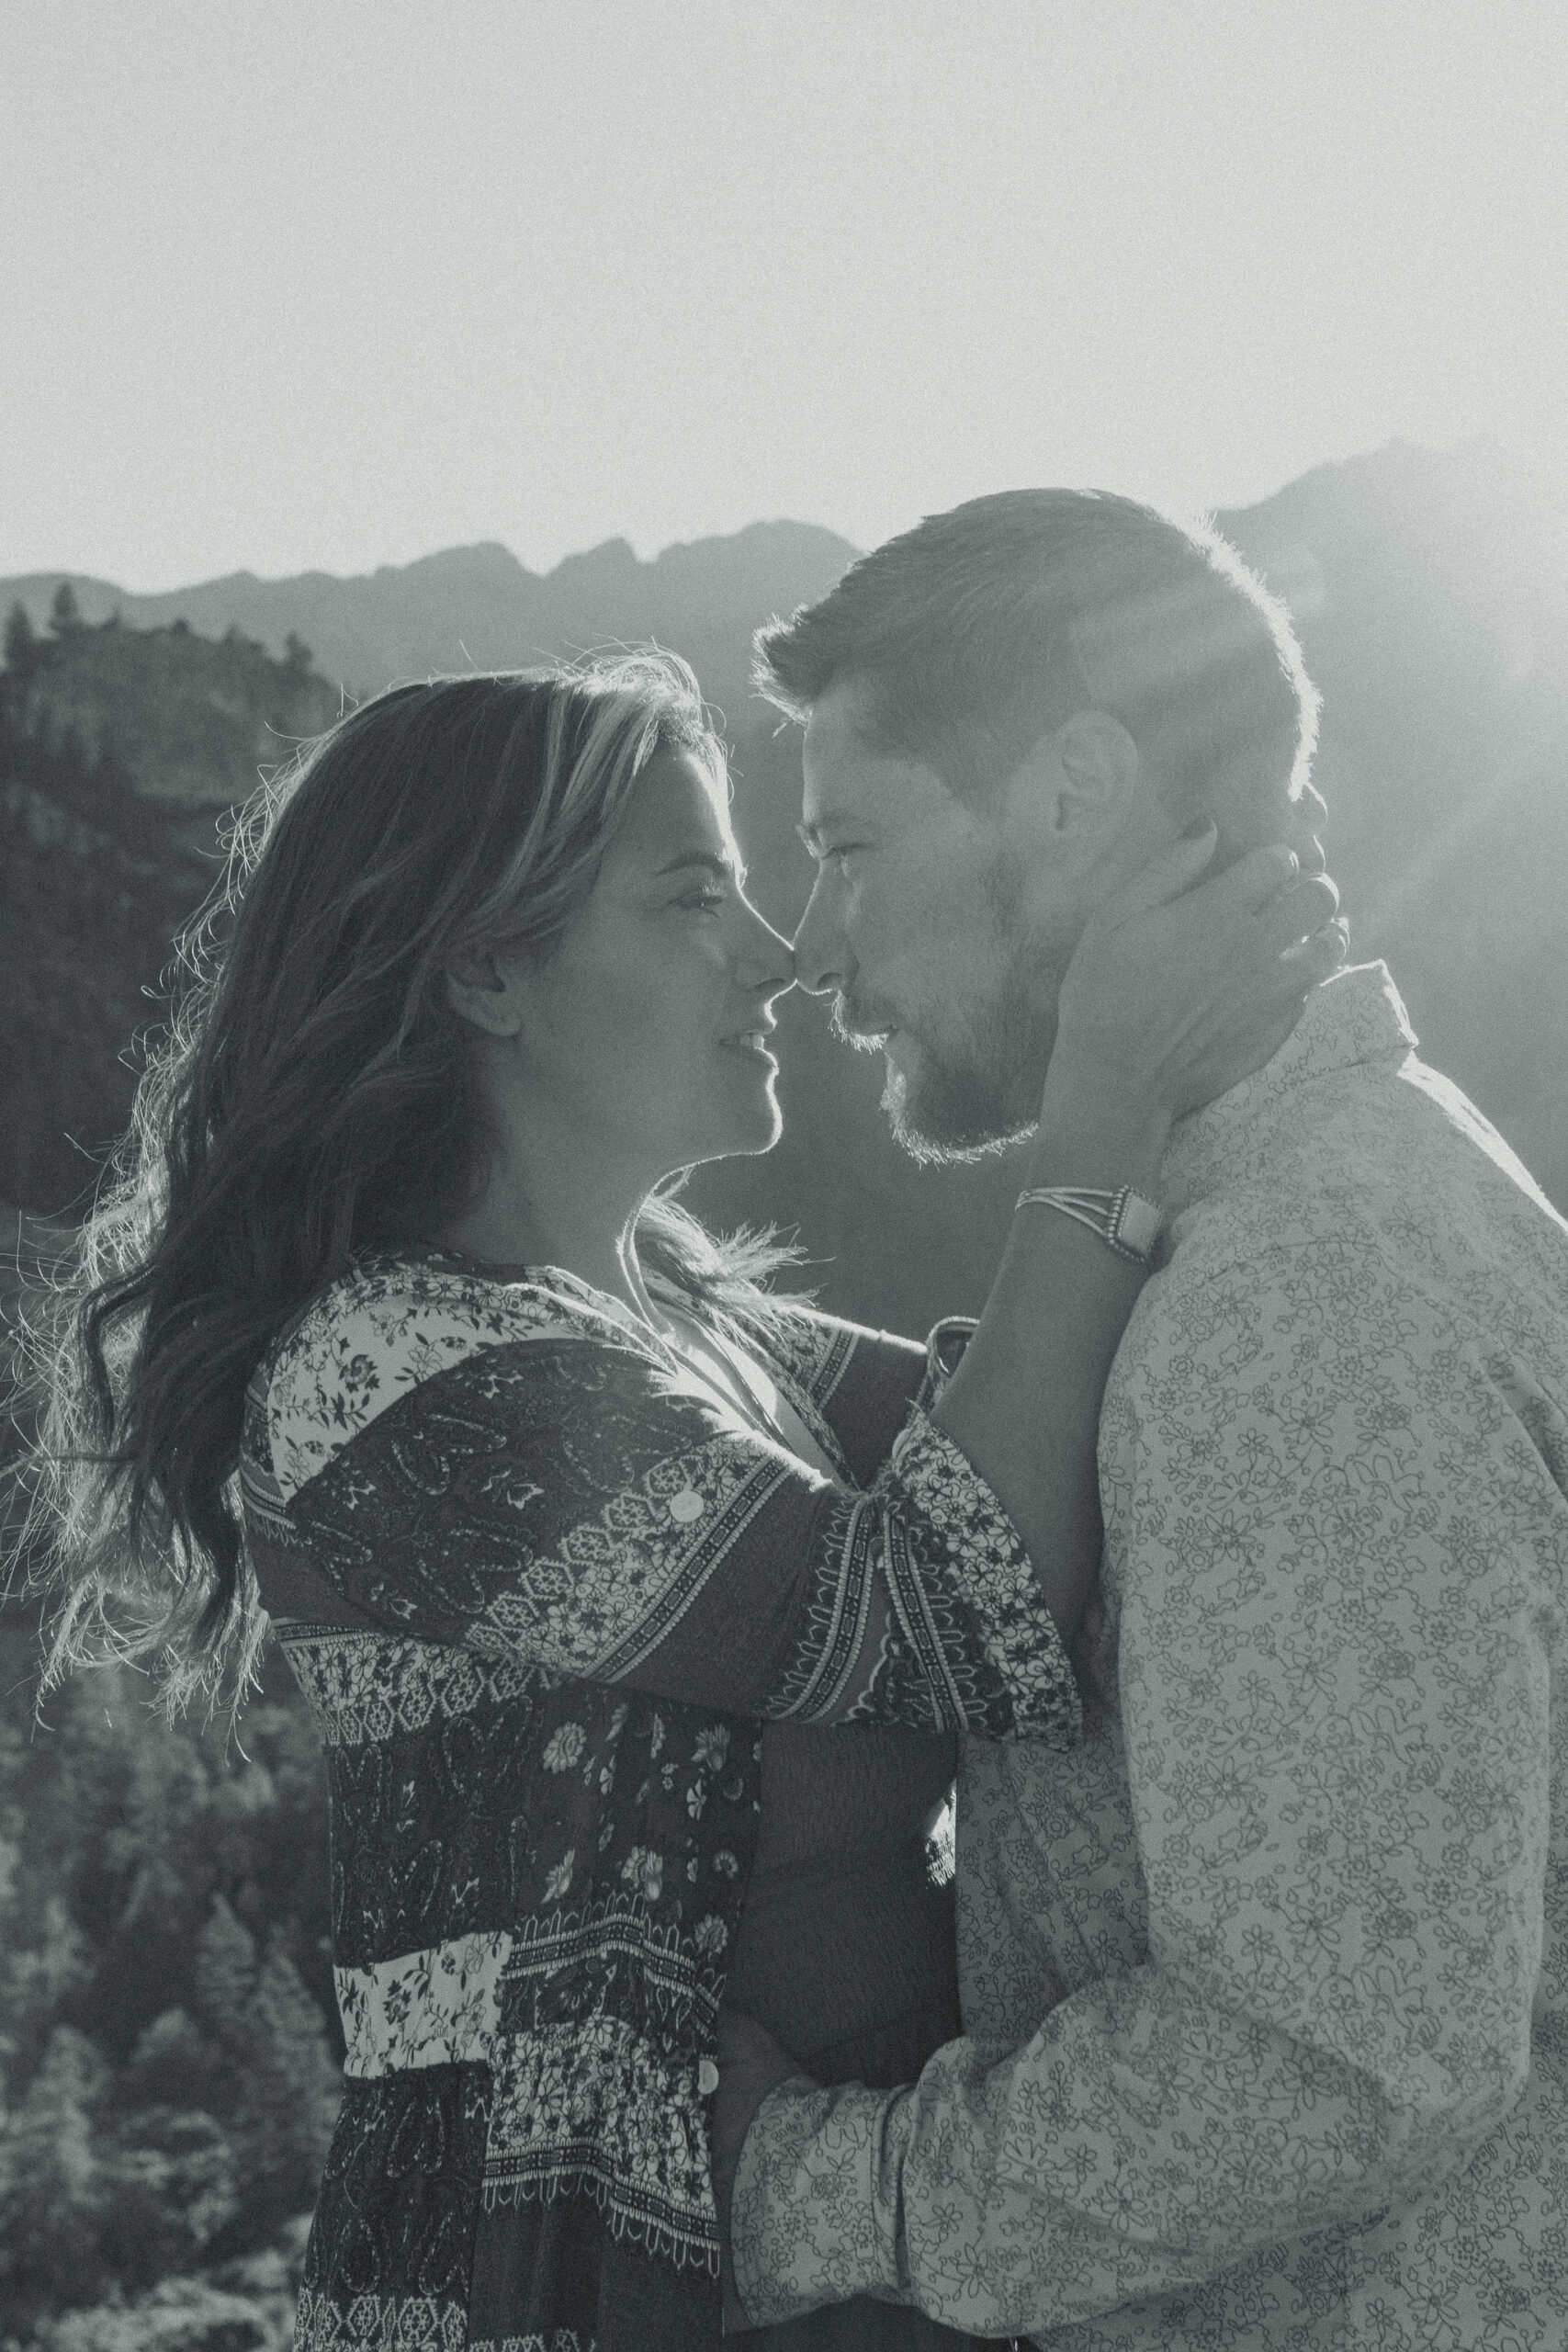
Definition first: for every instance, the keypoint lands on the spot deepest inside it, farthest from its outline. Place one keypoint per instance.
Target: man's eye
(702, 900)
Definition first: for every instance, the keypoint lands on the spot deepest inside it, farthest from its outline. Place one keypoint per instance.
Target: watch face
(1138, 1227)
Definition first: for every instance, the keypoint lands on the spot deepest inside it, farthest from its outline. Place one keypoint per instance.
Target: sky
(289, 284)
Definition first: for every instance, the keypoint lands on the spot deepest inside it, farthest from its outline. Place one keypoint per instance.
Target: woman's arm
(565, 1497)
(1169, 1000)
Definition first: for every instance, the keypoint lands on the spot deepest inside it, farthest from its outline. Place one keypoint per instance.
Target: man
(1266, 1985)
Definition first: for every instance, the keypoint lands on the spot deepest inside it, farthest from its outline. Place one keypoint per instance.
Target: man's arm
(1328, 1530)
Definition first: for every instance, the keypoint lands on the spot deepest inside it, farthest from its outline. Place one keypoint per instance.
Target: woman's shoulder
(391, 1321)
(817, 1349)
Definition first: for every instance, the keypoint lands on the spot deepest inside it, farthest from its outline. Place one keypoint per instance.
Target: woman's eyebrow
(728, 868)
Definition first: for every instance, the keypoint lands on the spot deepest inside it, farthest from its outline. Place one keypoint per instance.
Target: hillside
(120, 751)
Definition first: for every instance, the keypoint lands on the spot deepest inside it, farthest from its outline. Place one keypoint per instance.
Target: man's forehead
(846, 774)
(838, 725)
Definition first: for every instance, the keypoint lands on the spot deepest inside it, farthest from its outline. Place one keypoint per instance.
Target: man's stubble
(976, 1089)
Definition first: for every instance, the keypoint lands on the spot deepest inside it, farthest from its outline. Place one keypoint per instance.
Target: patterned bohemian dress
(541, 1588)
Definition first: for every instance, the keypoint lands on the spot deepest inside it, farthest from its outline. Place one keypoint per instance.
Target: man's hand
(750, 2064)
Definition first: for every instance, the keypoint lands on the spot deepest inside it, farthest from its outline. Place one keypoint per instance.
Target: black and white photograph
(784, 1176)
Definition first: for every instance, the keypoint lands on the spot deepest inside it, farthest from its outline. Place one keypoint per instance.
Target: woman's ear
(486, 989)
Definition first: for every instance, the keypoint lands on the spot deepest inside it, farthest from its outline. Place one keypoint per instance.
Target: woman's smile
(753, 1044)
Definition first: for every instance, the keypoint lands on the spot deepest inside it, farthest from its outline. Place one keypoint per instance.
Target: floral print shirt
(1266, 1983)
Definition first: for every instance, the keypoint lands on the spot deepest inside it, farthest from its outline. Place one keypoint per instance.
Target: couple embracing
(649, 1616)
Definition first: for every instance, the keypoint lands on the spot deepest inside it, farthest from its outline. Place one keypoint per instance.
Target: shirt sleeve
(573, 1503)
(1336, 1548)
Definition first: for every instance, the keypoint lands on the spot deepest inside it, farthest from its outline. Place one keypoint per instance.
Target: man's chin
(940, 1119)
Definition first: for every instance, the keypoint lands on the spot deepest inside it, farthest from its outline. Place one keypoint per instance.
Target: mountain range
(1432, 603)
(478, 608)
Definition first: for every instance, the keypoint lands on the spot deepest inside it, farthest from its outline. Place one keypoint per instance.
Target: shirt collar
(1357, 1017)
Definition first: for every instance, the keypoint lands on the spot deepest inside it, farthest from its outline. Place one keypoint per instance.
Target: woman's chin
(760, 1134)
(742, 1135)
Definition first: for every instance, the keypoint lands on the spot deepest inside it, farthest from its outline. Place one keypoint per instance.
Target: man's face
(915, 923)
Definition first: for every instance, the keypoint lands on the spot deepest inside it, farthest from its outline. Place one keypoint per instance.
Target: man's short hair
(983, 629)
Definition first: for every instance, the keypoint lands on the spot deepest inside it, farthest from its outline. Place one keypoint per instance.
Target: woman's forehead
(675, 803)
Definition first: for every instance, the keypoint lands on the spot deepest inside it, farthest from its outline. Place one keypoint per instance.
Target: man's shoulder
(1380, 1159)
(1381, 1198)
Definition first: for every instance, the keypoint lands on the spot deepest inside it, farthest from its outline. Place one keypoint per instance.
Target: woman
(390, 1336)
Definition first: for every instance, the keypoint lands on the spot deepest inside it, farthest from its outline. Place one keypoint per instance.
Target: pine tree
(64, 613)
(226, 1975)
(285, 2082)
(175, 2064)
(292, 2091)
(21, 643)
(54, 2179)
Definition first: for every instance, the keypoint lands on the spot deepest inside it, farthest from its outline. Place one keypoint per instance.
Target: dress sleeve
(857, 1385)
(569, 1501)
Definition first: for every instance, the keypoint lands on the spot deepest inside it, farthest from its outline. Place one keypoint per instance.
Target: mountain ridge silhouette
(480, 608)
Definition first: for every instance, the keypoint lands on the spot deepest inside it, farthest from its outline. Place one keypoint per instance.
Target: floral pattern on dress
(367, 1343)
(1267, 1982)
(426, 2008)
(993, 1571)
(598, 2105)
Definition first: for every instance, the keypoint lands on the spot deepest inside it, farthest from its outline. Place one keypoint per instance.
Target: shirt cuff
(977, 1554)
(804, 2224)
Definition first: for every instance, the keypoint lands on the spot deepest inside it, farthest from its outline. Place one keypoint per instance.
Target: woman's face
(644, 1027)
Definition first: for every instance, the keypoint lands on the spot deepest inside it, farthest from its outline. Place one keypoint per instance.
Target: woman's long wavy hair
(313, 1098)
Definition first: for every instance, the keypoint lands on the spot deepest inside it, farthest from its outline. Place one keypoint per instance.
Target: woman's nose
(768, 963)
(819, 953)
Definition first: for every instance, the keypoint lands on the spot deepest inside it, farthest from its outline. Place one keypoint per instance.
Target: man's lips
(862, 1029)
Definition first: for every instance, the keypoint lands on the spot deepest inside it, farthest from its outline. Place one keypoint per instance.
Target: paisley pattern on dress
(1266, 1983)
(538, 1586)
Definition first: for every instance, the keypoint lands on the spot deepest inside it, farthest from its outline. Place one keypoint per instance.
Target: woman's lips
(753, 1044)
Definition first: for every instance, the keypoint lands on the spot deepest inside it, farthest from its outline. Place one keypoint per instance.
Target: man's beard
(973, 1094)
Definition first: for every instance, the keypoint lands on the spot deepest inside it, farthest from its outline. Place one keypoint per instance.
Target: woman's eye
(702, 900)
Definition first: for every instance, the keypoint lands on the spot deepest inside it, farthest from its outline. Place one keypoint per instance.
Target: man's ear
(1098, 767)
(486, 989)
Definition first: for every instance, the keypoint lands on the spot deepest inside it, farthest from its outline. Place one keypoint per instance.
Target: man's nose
(821, 954)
